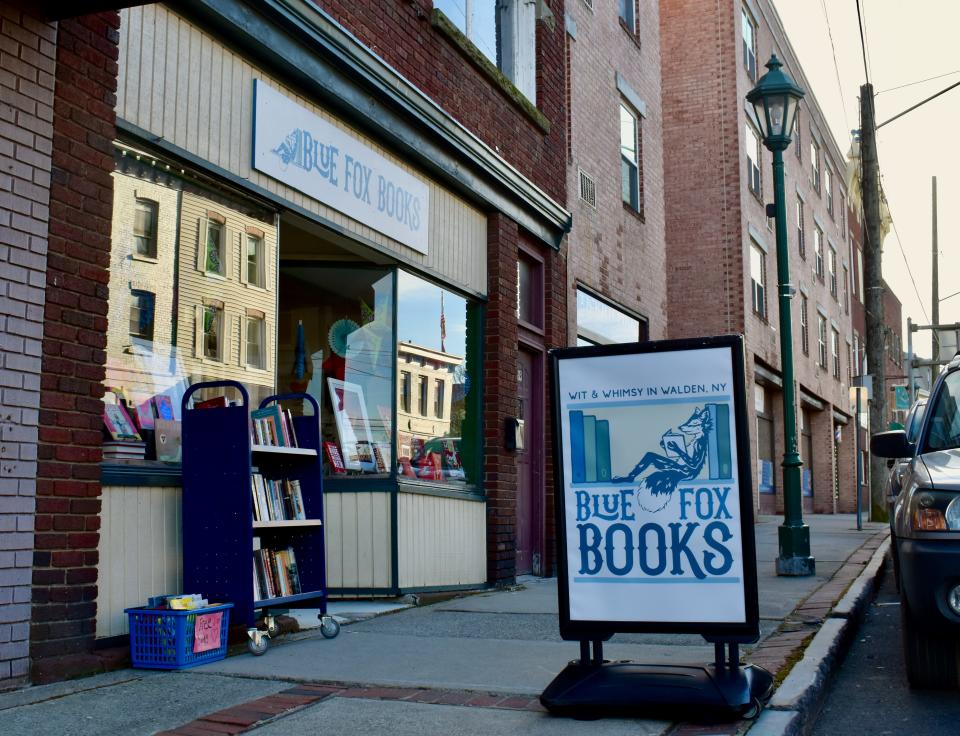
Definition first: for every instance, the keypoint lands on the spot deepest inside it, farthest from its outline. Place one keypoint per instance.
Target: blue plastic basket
(163, 639)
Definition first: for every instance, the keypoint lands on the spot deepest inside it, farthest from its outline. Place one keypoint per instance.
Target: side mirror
(891, 444)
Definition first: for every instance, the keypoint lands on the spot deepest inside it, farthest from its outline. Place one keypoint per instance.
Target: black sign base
(700, 693)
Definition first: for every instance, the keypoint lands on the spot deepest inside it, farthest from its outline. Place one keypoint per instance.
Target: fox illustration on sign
(659, 474)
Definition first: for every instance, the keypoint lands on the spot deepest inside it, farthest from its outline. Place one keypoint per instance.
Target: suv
(926, 534)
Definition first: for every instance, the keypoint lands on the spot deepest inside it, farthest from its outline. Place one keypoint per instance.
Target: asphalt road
(870, 694)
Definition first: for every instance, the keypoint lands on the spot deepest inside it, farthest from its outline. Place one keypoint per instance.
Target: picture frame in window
(353, 425)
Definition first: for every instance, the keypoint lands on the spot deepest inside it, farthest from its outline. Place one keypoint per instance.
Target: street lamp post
(775, 100)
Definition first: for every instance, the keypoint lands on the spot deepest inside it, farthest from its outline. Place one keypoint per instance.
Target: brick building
(178, 248)
(616, 261)
(721, 251)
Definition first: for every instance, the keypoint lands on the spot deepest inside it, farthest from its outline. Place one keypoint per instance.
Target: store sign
(656, 512)
(304, 151)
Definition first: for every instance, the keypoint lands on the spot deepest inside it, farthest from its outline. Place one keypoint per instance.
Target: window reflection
(436, 331)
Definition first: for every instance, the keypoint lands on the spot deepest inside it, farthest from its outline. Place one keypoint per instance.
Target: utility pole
(935, 307)
(873, 278)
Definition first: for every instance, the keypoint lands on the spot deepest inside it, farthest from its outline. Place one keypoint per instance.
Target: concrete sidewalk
(474, 664)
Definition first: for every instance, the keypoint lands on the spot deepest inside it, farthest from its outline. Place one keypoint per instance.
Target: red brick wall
(401, 33)
(68, 487)
(555, 324)
(500, 396)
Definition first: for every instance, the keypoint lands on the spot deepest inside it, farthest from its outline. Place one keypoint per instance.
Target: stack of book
(118, 450)
(276, 500)
(275, 573)
(272, 427)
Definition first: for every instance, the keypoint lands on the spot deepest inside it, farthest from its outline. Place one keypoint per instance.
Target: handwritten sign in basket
(206, 632)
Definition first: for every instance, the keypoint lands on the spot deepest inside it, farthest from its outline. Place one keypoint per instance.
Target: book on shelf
(272, 427)
(334, 458)
(118, 423)
(275, 573)
(117, 450)
(276, 499)
(217, 402)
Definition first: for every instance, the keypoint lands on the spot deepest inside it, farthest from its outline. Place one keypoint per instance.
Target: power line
(863, 44)
(922, 102)
(919, 81)
(836, 68)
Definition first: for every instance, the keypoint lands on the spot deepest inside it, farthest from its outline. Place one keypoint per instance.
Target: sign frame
(745, 631)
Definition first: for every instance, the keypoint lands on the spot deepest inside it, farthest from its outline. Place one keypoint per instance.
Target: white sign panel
(304, 151)
(652, 502)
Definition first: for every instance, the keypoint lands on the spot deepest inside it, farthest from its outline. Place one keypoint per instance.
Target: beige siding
(140, 552)
(237, 296)
(193, 92)
(443, 541)
(358, 539)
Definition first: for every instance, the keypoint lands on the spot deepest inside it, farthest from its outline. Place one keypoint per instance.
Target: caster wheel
(753, 710)
(272, 627)
(258, 645)
(329, 627)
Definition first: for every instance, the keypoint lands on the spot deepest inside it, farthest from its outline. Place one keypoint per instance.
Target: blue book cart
(218, 522)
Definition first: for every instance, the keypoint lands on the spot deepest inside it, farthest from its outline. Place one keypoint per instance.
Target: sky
(906, 43)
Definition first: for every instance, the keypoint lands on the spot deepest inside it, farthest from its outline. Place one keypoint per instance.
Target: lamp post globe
(775, 100)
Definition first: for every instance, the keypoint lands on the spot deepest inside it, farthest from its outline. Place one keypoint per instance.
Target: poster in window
(353, 425)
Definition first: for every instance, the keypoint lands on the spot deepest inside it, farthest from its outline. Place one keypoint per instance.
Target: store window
(401, 403)
(599, 323)
(145, 228)
(141, 314)
(169, 324)
(504, 32)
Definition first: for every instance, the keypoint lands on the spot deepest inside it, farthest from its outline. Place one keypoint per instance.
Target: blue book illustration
(718, 442)
(576, 447)
(603, 450)
(590, 448)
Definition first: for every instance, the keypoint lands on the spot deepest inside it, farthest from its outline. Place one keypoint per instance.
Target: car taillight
(929, 520)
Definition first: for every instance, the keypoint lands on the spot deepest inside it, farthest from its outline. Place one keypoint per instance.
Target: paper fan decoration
(337, 337)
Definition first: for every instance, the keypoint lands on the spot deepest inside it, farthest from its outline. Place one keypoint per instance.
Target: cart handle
(214, 384)
(293, 396)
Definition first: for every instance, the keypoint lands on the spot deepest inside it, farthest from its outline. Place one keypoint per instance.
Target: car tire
(932, 659)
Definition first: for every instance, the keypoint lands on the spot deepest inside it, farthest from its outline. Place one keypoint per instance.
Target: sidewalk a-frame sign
(654, 522)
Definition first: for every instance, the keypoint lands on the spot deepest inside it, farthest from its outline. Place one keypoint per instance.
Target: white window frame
(222, 342)
(261, 280)
(628, 14)
(801, 229)
(835, 350)
(262, 323)
(758, 268)
(832, 270)
(828, 188)
(631, 162)
(815, 164)
(818, 251)
(223, 246)
(822, 340)
(804, 325)
(754, 161)
(150, 237)
(749, 46)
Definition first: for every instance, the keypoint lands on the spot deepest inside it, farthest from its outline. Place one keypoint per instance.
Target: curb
(801, 694)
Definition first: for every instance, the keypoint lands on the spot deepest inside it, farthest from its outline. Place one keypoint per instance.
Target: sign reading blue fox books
(656, 510)
(301, 149)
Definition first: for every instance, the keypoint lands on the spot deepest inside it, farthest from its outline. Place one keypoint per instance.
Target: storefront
(261, 235)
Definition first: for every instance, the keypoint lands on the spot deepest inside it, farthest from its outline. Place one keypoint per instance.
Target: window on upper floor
(822, 341)
(801, 230)
(145, 228)
(630, 163)
(424, 387)
(254, 262)
(828, 188)
(818, 251)
(213, 251)
(832, 270)
(211, 329)
(600, 323)
(254, 340)
(804, 326)
(749, 37)
(815, 165)
(835, 351)
(758, 280)
(860, 275)
(754, 179)
(797, 138)
(846, 290)
(843, 216)
(141, 314)
(628, 14)
(504, 31)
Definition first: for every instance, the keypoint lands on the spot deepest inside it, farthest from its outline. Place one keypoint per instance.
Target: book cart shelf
(219, 526)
